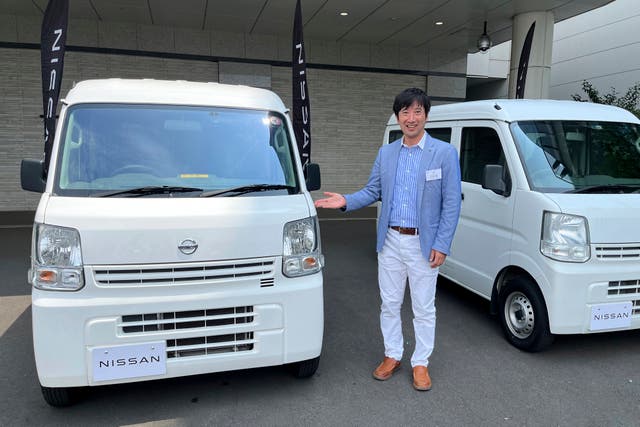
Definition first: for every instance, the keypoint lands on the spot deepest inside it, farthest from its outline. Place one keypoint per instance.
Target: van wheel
(305, 368)
(60, 396)
(523, 315)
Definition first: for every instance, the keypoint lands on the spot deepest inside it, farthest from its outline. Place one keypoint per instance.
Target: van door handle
(462, 195)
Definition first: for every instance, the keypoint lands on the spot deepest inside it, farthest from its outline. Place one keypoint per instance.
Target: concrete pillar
(539, 65)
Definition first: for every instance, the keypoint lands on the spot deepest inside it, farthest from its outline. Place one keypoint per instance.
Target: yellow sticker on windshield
(194, 175)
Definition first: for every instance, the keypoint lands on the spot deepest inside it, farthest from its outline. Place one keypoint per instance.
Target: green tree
(629, 101)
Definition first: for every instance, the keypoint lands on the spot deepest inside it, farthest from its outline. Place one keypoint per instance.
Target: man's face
(412, 120)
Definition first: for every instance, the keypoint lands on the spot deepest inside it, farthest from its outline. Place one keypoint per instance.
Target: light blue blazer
(439, 193)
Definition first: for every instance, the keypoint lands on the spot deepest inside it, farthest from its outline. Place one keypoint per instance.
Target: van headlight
(56, 260)
(565, 237)
(301, 248)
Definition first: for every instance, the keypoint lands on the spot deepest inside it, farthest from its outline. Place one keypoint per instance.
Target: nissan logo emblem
(188, 246)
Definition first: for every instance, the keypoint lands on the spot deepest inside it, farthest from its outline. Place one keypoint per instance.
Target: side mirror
(312, 176)
(493, 178)
(32, 175)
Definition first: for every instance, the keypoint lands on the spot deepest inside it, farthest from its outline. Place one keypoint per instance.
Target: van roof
(178, 92)
(510, 110)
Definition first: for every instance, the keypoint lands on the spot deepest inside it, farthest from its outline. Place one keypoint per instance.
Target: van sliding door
(483, 238)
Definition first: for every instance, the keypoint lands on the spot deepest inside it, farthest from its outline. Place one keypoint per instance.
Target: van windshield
(108, 149)
(579, 156)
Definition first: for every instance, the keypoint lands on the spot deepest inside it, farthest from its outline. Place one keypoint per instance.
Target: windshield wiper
(149, 190)
(608, 188)
(247, 189)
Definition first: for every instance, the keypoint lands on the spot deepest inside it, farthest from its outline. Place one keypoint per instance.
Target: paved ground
(479, 380)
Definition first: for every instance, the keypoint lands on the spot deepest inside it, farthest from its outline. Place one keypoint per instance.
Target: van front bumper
(596, 296)
(202, 328)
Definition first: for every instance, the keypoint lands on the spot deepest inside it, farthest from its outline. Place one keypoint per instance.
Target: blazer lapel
(392, 162)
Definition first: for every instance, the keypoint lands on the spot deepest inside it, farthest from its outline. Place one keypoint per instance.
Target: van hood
(613, 218)
(149, 230)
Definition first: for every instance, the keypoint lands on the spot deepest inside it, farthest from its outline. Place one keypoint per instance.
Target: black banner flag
(524, 62)
(301, 109)
(53, 38)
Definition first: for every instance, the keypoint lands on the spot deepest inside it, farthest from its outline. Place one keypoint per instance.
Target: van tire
(60, 396)
(523, 315)
(305, 368)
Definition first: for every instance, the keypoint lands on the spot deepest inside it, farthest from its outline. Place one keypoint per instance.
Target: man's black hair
(407, 97)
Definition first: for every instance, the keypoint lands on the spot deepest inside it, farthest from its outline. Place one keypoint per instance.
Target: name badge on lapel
(433, 174)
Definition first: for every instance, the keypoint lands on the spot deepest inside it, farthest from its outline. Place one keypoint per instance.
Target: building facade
(351, 85)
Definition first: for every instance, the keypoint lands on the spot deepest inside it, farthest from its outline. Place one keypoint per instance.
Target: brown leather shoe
(421, 378)
(385, 369)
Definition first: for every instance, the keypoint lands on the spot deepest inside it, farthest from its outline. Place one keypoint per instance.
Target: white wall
(492, 63)
(488, 73)
(601, 46)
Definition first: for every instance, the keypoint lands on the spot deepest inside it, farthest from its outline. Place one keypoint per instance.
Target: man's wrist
(346, 203)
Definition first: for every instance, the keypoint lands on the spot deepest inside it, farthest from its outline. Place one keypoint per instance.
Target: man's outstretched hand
(332, 201)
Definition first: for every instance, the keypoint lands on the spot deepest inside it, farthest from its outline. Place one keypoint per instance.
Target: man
(417, 178)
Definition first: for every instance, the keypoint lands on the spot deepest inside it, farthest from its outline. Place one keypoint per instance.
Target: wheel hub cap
(519, 315)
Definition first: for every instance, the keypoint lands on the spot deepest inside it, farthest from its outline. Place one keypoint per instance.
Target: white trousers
(401, 258)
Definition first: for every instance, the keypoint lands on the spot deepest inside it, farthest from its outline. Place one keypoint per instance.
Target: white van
(175, 236)
(549, 230)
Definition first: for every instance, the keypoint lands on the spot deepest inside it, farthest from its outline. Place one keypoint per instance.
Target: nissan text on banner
(53, 38)
(301, 114)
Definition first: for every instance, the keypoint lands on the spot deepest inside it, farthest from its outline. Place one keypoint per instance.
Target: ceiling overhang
(405, 23)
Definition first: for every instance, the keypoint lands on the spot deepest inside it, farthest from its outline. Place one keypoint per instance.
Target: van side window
(394, 135)
(480, 146)
(443, 134)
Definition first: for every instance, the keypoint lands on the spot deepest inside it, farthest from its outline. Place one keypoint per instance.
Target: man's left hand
(436, 259)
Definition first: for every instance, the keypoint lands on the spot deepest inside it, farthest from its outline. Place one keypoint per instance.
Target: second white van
(549, 228)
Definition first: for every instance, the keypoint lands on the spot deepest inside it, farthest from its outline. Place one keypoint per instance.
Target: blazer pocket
(432, 186)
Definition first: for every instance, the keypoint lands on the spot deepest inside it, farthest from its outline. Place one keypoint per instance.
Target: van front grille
(215, 344)
(618, 252)
(177, 274)
(194, 319)
(624, 287)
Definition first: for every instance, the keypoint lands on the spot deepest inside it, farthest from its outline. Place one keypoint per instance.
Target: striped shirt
(404, 209)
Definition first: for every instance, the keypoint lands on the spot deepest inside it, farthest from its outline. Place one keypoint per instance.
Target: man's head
(408, 97)
(411, 107)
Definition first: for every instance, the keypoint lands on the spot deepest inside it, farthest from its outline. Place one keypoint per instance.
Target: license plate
(611, 316)
(129, 361)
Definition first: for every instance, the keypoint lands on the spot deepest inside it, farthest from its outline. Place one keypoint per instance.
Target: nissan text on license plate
(611, 316)
(129, 361)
